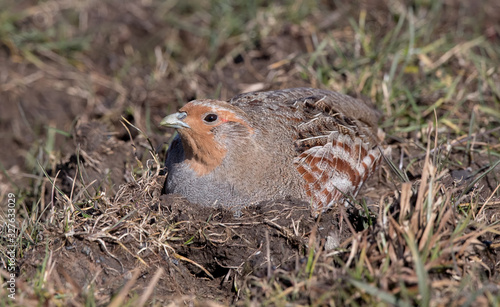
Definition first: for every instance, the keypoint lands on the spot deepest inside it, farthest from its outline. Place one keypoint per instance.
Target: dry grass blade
(406, 193)
(119, 299)
(194, 263)
(268, 256)
(149, 290)
(488, 200)
(140, 131)
(460, 48)
(85, 84)
(422, 191)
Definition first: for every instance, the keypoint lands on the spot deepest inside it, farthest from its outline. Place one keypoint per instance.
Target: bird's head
(206, 127)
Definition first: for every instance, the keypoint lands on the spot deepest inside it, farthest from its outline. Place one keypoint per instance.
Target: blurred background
(63, 61)
(75, 75)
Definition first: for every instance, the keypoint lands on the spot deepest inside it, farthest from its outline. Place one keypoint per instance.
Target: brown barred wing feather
(336, 153)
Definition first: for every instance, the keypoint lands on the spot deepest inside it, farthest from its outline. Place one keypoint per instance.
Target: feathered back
(335, 138)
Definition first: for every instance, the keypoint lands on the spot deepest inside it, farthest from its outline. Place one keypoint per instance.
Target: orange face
(195, 122)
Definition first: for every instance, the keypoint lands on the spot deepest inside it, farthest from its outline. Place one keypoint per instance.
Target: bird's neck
(202, 153)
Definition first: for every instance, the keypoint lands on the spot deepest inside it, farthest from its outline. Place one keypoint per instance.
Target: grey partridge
(309, 144)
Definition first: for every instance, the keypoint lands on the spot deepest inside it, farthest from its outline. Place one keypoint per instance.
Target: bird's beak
(175, 120)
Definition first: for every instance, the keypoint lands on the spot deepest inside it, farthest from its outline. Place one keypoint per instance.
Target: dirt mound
(85, 83)
(135, 238)
(206, 253)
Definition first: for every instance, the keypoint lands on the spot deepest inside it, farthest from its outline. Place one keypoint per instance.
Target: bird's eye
(210, 118)
(181, 115)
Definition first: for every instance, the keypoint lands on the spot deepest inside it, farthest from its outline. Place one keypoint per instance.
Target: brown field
(84, 85)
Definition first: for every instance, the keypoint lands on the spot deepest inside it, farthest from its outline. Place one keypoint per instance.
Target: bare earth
(75, 94)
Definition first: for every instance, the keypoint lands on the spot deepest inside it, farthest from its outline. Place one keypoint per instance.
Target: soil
(213, 248)
(229, 246)
(72, 118)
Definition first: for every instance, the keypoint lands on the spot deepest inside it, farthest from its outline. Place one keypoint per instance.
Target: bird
(312, 145)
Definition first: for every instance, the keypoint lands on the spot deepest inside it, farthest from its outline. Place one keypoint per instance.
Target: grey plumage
(253, 151)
